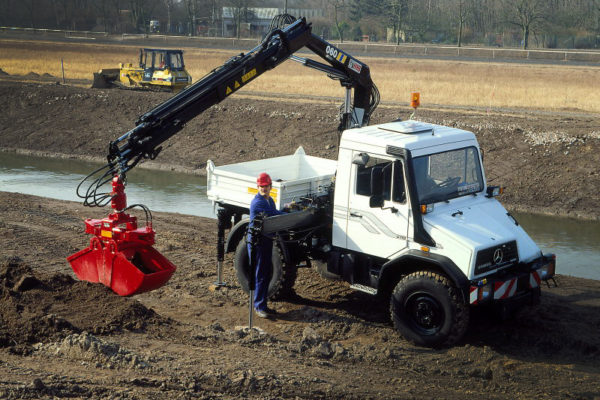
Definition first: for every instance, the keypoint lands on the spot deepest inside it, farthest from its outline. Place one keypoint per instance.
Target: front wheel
(427, 309)
(283, 277)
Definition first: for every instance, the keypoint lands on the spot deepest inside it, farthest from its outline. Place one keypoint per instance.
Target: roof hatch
(407, 127)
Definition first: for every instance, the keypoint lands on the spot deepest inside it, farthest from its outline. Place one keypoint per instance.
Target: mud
(63, 338)
(43, 309)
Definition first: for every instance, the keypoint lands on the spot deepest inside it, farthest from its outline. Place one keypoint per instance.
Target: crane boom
(165, 120)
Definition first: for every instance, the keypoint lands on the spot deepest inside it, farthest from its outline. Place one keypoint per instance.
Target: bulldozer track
(118, 85)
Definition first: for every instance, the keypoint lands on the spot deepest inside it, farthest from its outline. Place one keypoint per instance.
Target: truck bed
(294, 176)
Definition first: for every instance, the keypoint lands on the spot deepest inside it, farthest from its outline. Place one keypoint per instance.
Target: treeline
(541, 23)
(525, 23)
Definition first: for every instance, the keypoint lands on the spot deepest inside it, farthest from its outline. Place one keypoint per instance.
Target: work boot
(261, 313)
(270, 311)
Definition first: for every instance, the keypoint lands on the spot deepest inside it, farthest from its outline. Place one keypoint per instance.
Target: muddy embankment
(548, 162)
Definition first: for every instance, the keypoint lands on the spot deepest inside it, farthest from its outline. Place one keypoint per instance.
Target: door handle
(352, 214)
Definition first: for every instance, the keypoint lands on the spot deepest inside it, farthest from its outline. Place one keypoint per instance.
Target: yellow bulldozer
(159, 69)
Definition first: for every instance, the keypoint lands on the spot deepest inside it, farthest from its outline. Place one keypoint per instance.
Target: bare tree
(596, 8)
(396, 10)
(191, 7)
(141, 11)
(169, 6)
(483, 18)
(240, 12)
(104, 8)
(462, 18)
(525, 14)
(31, 5)
(338, 7)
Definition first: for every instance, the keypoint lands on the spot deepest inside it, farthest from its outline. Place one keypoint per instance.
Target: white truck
(404, 213)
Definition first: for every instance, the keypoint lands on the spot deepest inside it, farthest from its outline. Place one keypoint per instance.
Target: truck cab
(412, 186)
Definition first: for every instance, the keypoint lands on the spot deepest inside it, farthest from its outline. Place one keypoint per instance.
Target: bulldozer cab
(160, 59)
(159, 69)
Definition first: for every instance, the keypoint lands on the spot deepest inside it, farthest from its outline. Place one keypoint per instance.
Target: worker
(263, 203)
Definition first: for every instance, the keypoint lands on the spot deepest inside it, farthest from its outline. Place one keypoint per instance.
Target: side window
(161, 60)
(147, 60)
(399, 189)
(366, 174)
(176, 61)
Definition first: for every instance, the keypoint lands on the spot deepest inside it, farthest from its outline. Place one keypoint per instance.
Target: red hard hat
(263, 179)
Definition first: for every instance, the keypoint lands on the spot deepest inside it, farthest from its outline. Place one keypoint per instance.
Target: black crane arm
(168, 118)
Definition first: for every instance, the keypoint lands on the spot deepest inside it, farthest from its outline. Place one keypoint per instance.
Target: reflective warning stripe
(273, 193)
(473, 295)
(504, 290)
(534, 279)
(341, 57)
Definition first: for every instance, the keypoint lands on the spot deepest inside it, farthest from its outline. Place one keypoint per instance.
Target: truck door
(378, 209)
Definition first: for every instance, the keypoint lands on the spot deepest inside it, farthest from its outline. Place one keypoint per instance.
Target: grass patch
(441, 82)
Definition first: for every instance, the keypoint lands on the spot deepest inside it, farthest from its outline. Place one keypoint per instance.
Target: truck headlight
(493, 191)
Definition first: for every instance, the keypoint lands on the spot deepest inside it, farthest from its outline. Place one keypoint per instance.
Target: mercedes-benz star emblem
(498, 255)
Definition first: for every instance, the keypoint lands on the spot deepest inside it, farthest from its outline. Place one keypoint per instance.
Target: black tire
(427, 309)
(283, 278)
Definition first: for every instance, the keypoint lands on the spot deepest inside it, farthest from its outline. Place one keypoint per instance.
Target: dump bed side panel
(293, 176)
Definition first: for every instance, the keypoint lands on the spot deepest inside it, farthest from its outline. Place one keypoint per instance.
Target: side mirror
(377, 180)
(376, 201)
(361, 159)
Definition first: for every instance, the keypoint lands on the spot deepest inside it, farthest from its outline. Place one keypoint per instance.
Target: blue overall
(264, 264)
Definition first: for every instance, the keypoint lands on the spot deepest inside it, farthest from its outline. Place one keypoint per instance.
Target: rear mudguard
(237, 233)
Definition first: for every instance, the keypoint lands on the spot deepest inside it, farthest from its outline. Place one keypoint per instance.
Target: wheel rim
(425, 313)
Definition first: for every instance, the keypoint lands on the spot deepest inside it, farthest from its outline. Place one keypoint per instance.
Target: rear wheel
(427, 309)
(283, 278)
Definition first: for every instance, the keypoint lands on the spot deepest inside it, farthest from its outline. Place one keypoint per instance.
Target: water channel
(576, 243)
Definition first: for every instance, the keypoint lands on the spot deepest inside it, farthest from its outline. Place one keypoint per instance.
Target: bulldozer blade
(105, 78)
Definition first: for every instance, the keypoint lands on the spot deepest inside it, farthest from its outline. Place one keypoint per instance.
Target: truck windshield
(444, 176)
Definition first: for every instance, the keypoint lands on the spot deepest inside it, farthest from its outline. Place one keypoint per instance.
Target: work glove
(291, 206)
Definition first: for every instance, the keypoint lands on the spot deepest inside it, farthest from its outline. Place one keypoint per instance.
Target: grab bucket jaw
(120, 254)
(127, 268)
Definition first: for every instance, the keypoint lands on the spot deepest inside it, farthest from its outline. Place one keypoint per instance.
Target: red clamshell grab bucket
(120, 254)
(128, 268)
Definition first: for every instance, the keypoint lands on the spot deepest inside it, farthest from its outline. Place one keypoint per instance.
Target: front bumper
(518, 284)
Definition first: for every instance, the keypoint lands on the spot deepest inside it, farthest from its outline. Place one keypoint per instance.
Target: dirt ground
(62, 338)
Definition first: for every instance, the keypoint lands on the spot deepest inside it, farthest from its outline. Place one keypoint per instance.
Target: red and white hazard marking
(506, 289)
